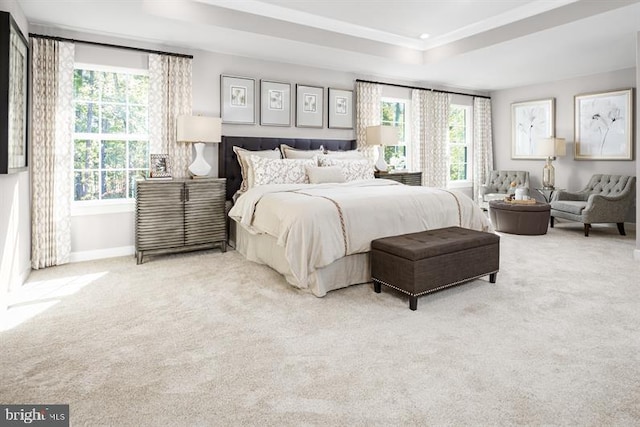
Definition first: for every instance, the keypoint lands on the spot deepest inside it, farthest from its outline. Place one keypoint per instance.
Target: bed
(318, 235)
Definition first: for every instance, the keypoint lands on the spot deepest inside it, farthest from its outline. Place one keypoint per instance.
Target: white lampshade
(199, 130)
(382, 135)
(552, 147)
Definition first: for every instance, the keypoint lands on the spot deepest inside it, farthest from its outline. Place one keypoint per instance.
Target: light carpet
(211, 339)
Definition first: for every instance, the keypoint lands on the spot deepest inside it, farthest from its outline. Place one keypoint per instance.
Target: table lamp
(381, 136)
(199, 130)
(551, 148)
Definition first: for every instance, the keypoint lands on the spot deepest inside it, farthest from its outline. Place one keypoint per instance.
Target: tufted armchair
(498, 185)
(606, 198)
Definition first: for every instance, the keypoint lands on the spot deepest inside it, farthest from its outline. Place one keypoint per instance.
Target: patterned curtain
(169, 97)
(51, 154)
(430, 128)
(368, 113)
(482, 143)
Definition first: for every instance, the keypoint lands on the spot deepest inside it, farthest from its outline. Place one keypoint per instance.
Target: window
(394, 113)
(110, 139)
(459, 143)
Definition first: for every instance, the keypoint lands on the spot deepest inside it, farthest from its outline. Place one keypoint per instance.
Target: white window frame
(407, 125)
(466, 183)
(105, 206)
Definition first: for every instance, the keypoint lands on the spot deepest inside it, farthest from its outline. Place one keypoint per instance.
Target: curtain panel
(170, 96)
(368, 113)
(51, 151)
(482, 144)
(430, 128)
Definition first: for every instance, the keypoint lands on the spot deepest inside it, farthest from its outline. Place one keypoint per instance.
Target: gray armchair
(498, 185)
(606, 198)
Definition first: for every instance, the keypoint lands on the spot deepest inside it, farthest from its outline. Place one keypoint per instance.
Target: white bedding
(317, 224)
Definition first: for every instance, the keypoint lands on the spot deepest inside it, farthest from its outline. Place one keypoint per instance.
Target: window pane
(85, 85)
(395, 156)
(139, 154)
(86, 117)
(139, 89)
(86, 154)
(114, 185)
(114, 119)
(114, 87)
(138, 119)
(86, 185)
(114, 154)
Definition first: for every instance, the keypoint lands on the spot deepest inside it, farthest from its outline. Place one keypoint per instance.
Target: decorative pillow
(294, 153)
(352, 169)
(280, 171)
(350, 154)
(319, 175)
(245, 167)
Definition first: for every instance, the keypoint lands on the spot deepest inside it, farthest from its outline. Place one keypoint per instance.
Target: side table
(547, 193)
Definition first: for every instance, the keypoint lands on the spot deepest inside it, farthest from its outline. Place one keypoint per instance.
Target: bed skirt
(263, 249)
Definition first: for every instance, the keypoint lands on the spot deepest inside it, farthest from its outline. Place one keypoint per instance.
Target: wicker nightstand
(408, 178)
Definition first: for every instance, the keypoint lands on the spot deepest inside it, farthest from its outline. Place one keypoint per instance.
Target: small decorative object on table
(159, 166)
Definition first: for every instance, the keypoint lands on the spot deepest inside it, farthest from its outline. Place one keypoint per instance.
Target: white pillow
(350, 154)
(294, 153)
(280, 171)
(352, 169)
(245, 168)
(319, 175)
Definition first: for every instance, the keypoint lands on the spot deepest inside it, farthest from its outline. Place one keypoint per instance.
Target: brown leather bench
(425, 262)
(527, 220)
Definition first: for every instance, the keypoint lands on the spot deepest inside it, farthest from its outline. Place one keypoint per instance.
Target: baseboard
(101, 253)
(636, 255)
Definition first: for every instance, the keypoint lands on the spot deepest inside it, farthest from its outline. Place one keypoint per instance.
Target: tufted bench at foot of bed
(428, 261)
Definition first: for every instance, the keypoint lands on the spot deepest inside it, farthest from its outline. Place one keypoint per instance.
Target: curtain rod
(139, 49)
(423, 88)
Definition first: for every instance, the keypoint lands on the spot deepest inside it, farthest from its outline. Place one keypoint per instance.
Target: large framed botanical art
(309, 106)
(275, 103)
(237, 100)
(531, 121)
(604, 125)
(340, 108)
(13, 96)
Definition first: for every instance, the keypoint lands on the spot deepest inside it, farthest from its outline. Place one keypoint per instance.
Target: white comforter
(320, 223)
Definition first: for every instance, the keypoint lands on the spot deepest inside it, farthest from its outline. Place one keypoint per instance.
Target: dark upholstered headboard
(228, 166)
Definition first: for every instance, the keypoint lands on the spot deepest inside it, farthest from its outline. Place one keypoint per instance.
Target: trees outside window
(459, 143)
(111, 137)
(394, 113)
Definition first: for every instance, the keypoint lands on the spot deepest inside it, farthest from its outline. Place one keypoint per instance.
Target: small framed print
(604, 126)
(275, 103)
(309, 106)
(340, 109)
(237, 100)
(159, 166)
(531, 121)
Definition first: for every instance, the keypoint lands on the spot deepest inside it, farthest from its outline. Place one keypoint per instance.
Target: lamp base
(199, 167)
(548, 175)
(381, 165)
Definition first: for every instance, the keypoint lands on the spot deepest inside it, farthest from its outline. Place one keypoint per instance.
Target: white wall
(570, 174)
(15, 212)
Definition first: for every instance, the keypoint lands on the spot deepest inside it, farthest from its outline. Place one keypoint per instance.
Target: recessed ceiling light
(424, 36)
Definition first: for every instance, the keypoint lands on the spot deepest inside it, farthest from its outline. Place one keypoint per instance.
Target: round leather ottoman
(525, 219)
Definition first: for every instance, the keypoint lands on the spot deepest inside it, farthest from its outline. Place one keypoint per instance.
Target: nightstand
(407, 178)
(179, 215)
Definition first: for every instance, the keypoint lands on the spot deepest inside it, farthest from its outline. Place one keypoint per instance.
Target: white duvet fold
(320, 223)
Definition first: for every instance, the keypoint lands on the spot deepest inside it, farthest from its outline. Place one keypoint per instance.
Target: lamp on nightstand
(199, 130)
(551, 148)
(381, 136)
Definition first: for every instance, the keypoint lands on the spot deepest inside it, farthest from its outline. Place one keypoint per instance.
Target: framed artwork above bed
(237, 100)
(275, 103)
(309, 106)
(340, 108)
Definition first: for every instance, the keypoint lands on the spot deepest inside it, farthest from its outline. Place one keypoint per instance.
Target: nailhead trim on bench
(435, 289)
